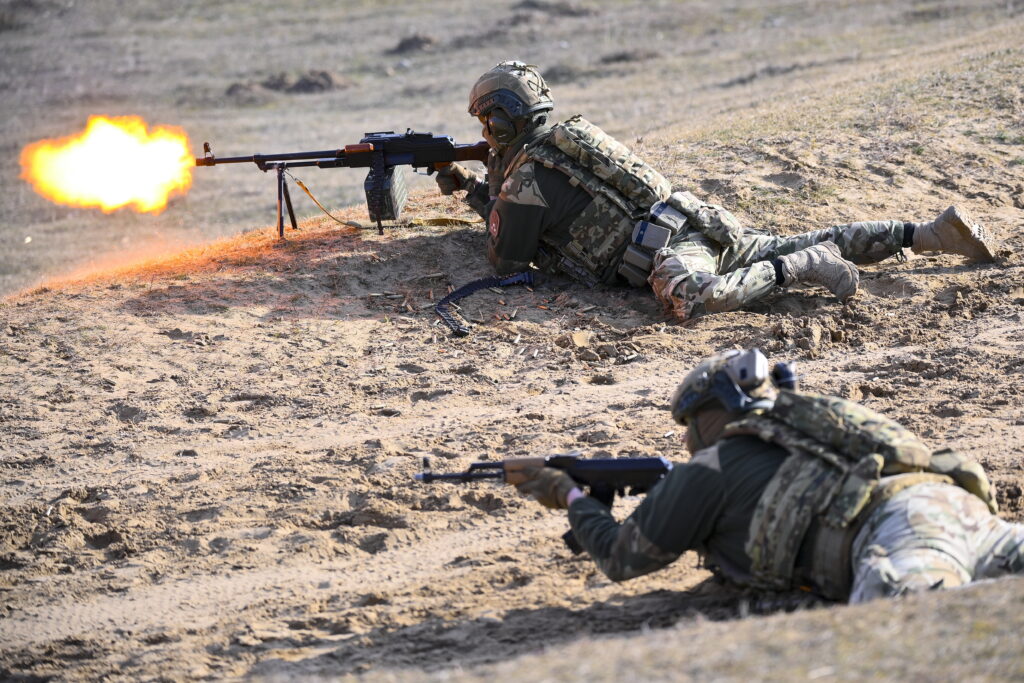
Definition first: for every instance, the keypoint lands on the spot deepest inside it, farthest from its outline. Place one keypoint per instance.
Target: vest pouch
(685, 203)
(852, 430)
(599, 237)
(966, 473)
(641, 258)
(719, 225)
(711, 220)
(651, 236)
(855, 491)
(668, 216)
(633, 275)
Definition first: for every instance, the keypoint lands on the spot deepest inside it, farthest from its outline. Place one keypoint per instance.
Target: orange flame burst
(114, 162)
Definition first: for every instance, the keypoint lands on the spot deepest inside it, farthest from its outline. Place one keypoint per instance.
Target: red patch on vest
(494, 224)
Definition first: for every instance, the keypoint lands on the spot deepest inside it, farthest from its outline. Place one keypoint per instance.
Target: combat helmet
(507, 99)
(739, 381)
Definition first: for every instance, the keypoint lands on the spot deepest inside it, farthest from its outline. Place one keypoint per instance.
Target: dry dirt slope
(207, 460)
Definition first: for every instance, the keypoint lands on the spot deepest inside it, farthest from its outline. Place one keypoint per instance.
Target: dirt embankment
(208, 457)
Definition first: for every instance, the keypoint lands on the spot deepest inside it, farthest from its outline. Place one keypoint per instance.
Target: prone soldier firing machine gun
(380, 152)
(605, 477)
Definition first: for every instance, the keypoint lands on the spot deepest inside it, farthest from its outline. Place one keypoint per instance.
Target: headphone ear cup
(500, 126)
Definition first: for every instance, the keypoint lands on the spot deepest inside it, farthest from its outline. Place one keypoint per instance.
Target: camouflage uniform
(569, 198)
(695, 275)
(734, 503)
(932, 536)
(528, 222)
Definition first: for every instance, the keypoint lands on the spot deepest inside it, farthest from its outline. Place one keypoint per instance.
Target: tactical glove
(454, 177)
(549, 486)
(823, 264)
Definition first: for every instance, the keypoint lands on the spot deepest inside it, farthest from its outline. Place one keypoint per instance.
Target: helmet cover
(514, 86)
(739, 381)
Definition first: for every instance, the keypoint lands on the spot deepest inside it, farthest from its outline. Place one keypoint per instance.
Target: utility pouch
(711, 220)
(633, 275)
(641, 258)
(666, 215)
(651, 236)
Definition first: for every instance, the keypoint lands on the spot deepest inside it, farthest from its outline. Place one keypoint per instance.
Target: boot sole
(971, 231)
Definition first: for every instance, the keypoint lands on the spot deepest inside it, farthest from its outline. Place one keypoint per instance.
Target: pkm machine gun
(381, 152)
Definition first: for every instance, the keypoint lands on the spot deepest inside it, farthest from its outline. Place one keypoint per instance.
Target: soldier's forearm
(620, 551)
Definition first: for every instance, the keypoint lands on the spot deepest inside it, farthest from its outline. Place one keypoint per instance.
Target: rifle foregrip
(514, 469)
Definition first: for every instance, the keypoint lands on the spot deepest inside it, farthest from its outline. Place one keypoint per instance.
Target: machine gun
(604, 477)
(380, 152)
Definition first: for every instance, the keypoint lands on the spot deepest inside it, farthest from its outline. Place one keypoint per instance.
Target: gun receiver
(381, 152)
(604, 477)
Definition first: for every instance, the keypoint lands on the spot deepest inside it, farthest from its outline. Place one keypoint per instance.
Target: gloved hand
(453, 177)
(549, 486)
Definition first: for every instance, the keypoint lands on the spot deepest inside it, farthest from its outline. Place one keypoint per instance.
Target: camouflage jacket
(570, 214)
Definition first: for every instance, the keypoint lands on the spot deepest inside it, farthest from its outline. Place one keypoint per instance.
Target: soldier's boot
(823, 264)
(954, 232)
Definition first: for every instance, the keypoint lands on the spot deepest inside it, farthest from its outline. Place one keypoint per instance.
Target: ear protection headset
(729, 383)
(501, 126)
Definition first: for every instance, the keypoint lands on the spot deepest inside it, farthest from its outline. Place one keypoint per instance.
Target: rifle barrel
(467, 476)
(332, 154)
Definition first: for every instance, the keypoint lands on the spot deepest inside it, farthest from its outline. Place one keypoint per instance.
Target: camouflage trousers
(932, 536)
(695, 275)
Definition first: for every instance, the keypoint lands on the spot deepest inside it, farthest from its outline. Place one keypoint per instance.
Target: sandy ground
(208, 455)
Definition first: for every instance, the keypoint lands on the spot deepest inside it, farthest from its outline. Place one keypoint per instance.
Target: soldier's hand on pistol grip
(452, 177)
(549, 486)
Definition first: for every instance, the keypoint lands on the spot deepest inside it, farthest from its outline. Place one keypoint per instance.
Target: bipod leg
(380, 227)
(288, 203)
(280, 202)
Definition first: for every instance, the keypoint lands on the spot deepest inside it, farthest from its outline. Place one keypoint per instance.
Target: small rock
(129, 414)
(386, 465)
(417, 396)
(412, 368)
(417, 42)
(177, 334)
(603, 433)
(603, 379)
(187, 453)
(589, 355)
(582, 338)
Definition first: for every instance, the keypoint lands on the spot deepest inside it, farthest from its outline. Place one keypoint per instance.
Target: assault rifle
(380, 152)
(604, 477)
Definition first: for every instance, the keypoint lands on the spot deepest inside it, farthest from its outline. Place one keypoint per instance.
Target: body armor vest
(623, 188)
(845, 460)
